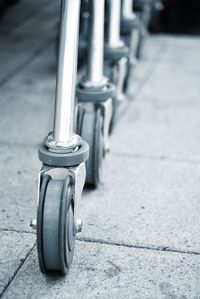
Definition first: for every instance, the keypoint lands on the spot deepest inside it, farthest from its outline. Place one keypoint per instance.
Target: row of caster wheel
(67, 163)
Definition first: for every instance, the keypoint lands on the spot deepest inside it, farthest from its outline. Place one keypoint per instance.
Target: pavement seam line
(25, 63)
(161, 158)
(152, 67)
(16, 231)
(31, 16)
(112, 243)
(26, 19)
(142, 247)
(124, 154)
(17, 270)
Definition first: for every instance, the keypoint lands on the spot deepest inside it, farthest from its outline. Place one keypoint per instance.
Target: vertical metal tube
(85, 24)
(114, 21)
(67, 71)
(127, 10)
(94, 72)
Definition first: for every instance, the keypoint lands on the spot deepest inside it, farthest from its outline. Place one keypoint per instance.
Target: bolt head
(78, 226)
(33, 223)
(50, 137)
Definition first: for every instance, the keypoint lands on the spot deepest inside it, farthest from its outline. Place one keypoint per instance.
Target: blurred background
(176, 16)
(170, 16)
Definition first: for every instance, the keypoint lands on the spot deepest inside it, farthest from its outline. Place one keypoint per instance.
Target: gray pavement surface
(141, 234)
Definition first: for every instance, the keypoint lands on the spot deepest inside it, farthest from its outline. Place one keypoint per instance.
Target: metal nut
(78, 226)
(33, 223)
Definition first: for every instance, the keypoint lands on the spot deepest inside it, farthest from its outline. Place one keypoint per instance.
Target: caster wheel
(114, 78)
(114, 116)
(55, 225)
(90, 128)
(140, 46)
(115, 100)
(129, 73)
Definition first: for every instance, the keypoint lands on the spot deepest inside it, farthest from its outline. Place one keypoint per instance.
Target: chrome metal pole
(94, 72)
(66, 76)
(114, 21)
(127, 10)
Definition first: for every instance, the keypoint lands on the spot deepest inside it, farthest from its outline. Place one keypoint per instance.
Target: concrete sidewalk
(141, 234)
